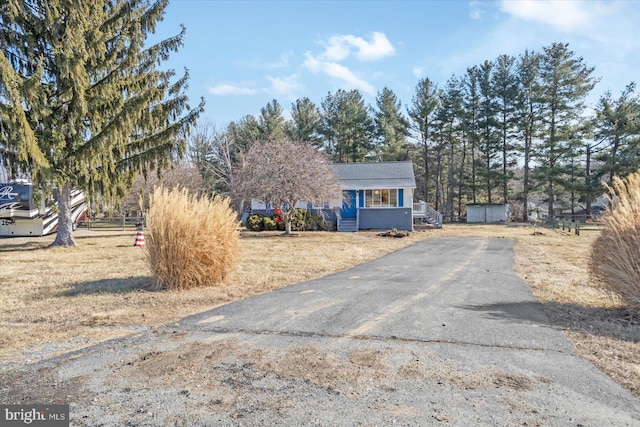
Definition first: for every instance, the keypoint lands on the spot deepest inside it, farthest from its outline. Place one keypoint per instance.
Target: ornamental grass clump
(615, 256)
(192, 241)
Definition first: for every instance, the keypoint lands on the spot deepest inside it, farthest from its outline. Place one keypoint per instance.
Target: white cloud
(379, 47)
(226, 89)
(312, 63)
(285, 86)
(476, 9)
(566, 15)
(336, 49)
(339, 48)
(283, 61)
(337, 71)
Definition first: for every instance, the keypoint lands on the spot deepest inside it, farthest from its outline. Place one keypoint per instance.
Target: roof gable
(359, 176)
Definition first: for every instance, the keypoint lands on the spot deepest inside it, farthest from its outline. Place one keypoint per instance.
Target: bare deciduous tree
(181, 175)
(215, 153)
(282, 173)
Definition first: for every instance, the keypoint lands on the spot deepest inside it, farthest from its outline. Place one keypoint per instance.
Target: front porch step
(432, 221)
(348, 225)
(425, 213)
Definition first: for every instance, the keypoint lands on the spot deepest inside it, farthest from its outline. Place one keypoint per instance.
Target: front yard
(57, 300)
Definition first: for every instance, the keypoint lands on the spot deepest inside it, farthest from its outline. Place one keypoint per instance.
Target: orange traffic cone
(139, 239)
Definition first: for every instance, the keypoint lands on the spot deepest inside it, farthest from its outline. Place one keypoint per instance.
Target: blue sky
(243, 54)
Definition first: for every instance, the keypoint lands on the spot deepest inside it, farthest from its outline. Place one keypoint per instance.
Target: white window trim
(380, 206)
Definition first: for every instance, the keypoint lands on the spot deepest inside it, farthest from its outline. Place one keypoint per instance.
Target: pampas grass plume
(192, 241)
(615, 255)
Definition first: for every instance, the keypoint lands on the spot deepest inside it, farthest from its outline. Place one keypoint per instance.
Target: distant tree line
(505, 129)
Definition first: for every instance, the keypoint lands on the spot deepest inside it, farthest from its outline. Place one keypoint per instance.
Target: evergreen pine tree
(392, 128)
(527, 117)
(423, 105)
(305, 122)
(82, 102)
(617, 129)
(488, 166)
(566, 80)
(347, 126)
(505, 88)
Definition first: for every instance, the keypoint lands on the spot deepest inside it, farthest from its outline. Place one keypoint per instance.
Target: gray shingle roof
(359, 176)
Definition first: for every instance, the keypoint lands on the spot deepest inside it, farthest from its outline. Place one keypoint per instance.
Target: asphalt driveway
(439, 333)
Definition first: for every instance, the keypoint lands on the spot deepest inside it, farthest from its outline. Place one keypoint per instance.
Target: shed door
(349, 204)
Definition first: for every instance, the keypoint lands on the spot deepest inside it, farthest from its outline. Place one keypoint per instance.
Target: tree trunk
(505, 181)
(450, 181)
(551, 214)
(425, 156)
(525, 193)
(614, 153)
(64, 234)
(587, 182)
(461, 176)
(287, 227)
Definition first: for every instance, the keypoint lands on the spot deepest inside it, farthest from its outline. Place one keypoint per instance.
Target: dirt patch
(43, 385)
(443, 372)
(223, 363)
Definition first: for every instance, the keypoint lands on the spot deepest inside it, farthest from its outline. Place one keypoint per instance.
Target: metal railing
(423, 210)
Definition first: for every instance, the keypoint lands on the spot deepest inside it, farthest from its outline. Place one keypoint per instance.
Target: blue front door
(349, 205)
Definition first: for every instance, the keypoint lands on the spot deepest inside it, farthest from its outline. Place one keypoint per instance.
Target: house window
(381, 198)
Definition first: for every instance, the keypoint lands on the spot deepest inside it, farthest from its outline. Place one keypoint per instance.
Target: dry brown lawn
(55, 300)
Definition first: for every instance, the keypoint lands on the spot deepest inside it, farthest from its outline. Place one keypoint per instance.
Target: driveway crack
(360, 337)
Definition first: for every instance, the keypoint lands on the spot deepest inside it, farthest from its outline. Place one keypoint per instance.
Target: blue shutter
(361, 198)
(401, 198)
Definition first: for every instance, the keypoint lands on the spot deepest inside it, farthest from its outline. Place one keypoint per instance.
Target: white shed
(487, 213)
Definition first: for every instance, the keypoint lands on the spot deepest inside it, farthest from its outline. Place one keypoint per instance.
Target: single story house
(376, 195)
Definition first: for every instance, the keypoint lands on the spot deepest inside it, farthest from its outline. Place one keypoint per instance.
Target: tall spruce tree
(505, 88)
(471, 104)
(439, 152)
(305, 122)
(271, 122)
(450, 113)
(489, 165)
(82, 102)
(424, 104)
(347, 126)
(527, 117)
(392, 128)
(566, 80)
(617, 129)
(245, 131)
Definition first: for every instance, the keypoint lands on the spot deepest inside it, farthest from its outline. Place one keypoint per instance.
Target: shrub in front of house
(614, 255)
(192, 241)
(298, 220)
(312, 221)
(305, 220)
(302, 220)
(255, 222)
(269, 223)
